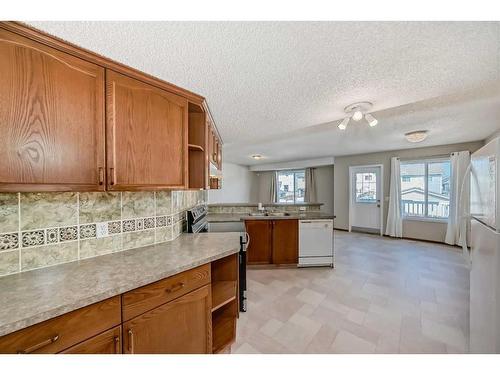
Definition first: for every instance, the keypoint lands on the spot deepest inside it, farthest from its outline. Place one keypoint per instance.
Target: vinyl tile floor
(384, 296)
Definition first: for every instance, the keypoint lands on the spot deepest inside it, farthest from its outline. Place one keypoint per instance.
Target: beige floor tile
(246, 348)
(384, 296)
(322, 341)
(271, 327)
(348, 343)
(311, 297)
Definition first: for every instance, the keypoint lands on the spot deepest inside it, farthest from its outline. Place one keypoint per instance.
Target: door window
(366, 187)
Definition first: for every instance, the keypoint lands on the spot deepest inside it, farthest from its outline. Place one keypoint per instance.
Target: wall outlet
(302, 208)
(101, 230)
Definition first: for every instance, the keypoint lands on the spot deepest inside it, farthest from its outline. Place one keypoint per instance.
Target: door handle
(100, 172)
(117, 344)
(130, 341)
(111, 176)
(40, 345)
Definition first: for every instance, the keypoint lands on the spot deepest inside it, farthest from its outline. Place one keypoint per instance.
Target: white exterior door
(366, 198)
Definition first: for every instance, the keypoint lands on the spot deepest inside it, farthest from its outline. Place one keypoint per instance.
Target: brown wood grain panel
(259, 249)
(51, 118)
(285, 241)
(74, 50)
(182, 326)
(148, 297)
(108, 342)
(147, 135)
(57, 334)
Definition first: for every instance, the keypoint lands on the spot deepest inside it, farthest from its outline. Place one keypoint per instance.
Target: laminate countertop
(31, 297)
(228, 218)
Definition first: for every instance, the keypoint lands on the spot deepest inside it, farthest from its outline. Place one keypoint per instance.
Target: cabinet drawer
(109, 342)
(148, 297)
(60, 333)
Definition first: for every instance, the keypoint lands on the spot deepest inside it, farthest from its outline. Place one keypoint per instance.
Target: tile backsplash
(43, 229)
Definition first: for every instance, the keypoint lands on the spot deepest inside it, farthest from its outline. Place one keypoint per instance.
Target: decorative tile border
(9, 241)
(114, 227)
(88, 231)
(33, 238)
(22, 242)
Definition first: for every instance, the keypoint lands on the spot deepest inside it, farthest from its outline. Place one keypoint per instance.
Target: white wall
(237, 185)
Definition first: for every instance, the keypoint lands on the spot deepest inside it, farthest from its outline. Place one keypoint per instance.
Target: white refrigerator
(485, 249)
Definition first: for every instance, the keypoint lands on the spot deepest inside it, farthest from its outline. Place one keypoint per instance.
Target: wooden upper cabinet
(146, 135)
(51, 119)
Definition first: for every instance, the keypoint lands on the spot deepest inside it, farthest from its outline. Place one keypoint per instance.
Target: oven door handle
(247, 236)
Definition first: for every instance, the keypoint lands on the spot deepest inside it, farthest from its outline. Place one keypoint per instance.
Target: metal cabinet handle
(130, 341)
(117, 344)
(111, 176)
(101, 175)
(248, 239)
(175, 288)
(40, 345)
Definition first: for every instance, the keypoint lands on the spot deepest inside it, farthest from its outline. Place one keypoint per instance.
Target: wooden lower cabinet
(273, 241)
(58, 334)
(285, 241)
(176, 315)
(182, 326)
(109, 342)
(259, 251)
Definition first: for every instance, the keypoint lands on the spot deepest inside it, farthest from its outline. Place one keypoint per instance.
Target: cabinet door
(259, 249)
(51, 119)
(146, 135)
(285, 241)
(108, 342)
(182, 326)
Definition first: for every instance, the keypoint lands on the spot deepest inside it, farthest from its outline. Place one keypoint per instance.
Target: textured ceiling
(275, 88)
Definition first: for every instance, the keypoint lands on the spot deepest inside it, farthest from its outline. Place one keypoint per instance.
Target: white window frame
(426, 163)
(294, 171)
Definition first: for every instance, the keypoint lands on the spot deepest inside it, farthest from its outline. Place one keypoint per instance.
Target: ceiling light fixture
(343, 124)
(357, 115)
(257, 156)
(357, 111)
(372, 121)
(416, 136)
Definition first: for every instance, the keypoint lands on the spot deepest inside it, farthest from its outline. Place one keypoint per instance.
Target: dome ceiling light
(357, 111)
(416, 136)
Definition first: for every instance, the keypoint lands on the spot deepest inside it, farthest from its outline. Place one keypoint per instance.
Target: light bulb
(343, 124)
(357, 115)
(372, 121)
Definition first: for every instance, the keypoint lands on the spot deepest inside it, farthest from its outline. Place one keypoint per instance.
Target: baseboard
(403, 238)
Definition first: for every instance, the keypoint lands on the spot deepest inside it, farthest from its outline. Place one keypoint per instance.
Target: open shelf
(223, 292)
(223, 328)
(195, 147)
(225, 302)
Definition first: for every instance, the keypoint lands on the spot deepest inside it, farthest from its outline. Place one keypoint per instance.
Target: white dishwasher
(316, 243)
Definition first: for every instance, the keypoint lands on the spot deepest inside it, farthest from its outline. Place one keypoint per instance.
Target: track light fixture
(343, 124)
(357, 111)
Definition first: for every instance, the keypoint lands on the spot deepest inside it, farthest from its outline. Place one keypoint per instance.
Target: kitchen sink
(269, 214)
